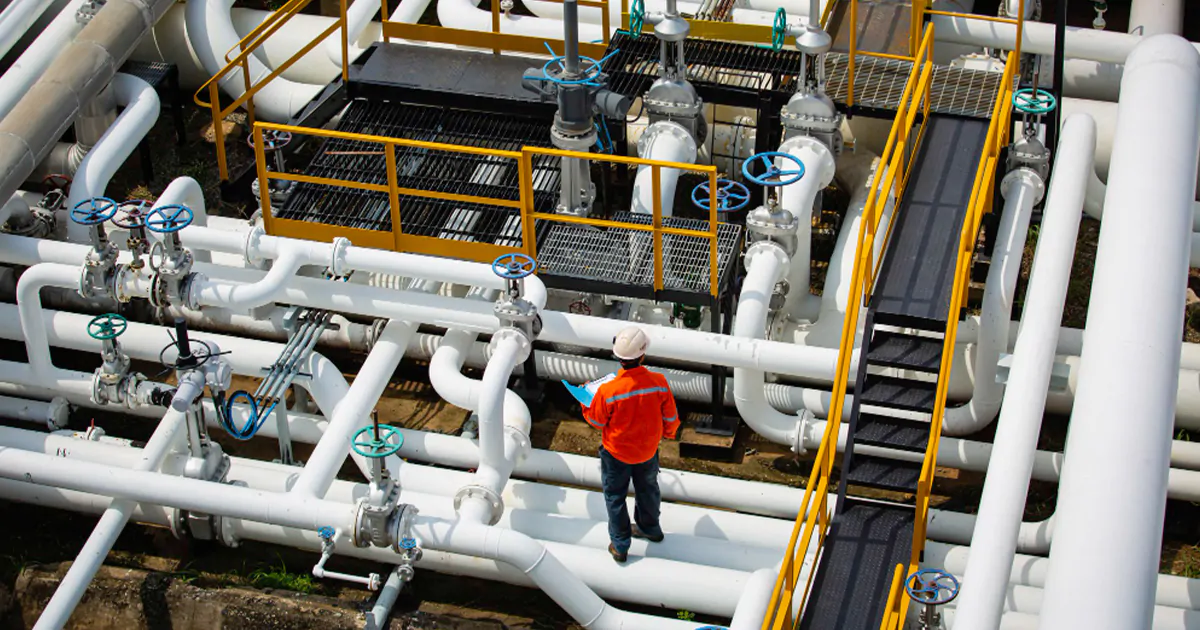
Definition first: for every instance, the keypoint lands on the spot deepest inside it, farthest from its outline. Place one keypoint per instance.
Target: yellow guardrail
(813, 518)
(248, 45)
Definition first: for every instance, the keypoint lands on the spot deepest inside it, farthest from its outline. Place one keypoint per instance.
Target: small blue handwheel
(513, 266)
(273, 139)
(107, 326)
(365, 444)
(93, 211)
(170, 218)
(1032, 101)
(637, 17)
(326, 532)
(408, 542)
(932, 586)
(132, 214)
(779, 29)
(731, 195)
(773, 175)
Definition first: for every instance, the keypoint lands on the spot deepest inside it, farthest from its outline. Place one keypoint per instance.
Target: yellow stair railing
(813, 518)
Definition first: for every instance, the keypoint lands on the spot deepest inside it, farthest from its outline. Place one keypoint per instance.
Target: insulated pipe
(1093, 204)
(994, 541)
(38, 55)
(211, 33)
(116, 145)
(664, 141)
(1022, 189)
(70, 590)
(1132, 351)
(800, 198)
(16, 19)
(52, 415)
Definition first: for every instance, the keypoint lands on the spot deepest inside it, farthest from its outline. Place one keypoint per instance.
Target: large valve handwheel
(779, 29)
(932, 586)
(131, 214)
(273, 139)
(93, 211)
(637, 17)
(169, 219)
(514, 266)
(773, 175)
(1031, 101)
(107, 326)
(731, 195)
(56, 181)
(366, 444)
(589, 71)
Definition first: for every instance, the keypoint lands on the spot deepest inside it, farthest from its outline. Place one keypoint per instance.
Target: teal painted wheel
(637, 17)
(1029, 101)
(107, 326)
(365, 443)
(779, 29)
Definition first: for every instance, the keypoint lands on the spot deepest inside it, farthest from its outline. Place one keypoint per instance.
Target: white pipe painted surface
(115, 146)
(16, 19)
(800, 198)
(664, 141)
(42, 413)
(1093, 205)
(1133, 332)
(994, 542)
(358, 18)
(496, 454)
(1156, 17)
(465, 14)
(1022, 189)
(38, 56)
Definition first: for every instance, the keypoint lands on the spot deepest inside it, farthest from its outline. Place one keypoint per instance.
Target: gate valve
(93, 213)
(931, 588)
(329, 537)
(731, 196)
(169, 260)
(189, 354)
(771, 220)
(513, 311)
(96, 274)
(273, 143)
(374, 521)
(131, 216)
(105, 329)
(514, 268)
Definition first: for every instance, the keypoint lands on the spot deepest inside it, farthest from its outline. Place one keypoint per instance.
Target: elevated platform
(879, 85)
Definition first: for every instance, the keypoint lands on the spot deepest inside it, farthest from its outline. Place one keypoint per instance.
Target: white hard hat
(630, 343)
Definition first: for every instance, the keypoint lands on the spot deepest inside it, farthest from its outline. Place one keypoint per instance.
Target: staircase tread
(883, 473)
(899, 350)
(890, 432)
(898, 393)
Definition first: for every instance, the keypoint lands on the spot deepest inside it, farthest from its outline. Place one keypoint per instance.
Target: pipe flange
(57, 413)
(191, 291)
(806, 422)
(250, 246)
(1024, 175)
(771, 221)
(825, 166)
(124, 276)
(474, 491)
(670, 128)
(524, 444)
(524, 345)
(337, 257)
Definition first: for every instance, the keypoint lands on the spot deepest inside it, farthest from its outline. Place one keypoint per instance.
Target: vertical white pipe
(494, 469)
(994, 542)
(66, 597)
(666, 142)
(352, 412)
(800, 199)
(1105, 553)
(29, 305)
(1156, 17)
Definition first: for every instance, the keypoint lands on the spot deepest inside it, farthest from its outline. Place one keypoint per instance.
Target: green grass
(279, 577)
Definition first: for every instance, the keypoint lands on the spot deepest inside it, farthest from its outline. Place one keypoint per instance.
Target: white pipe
(52, 414)
(1132, 350)
(38, 56)
(495, 465)
(1022, 189)
(800, 198)
(1093, 205)
(465, 14)
(358, 19)
(1155, 17)
(115, 146)
(755, 600)
(664, 141)
(211, 33)
(16, 19)
(1000, 509)
(70, 590)
(353, 411)
(187, 192)
(29, 305)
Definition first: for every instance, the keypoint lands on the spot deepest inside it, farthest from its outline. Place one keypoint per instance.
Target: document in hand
(584, 393)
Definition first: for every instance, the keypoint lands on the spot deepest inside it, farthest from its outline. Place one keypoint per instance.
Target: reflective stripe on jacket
(633, 412)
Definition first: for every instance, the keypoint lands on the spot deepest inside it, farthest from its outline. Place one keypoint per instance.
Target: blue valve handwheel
(589, 71)
(365, 444)
(168, 219)
(779, 29)
(107, 326)
(731, 195)
(273, 139)
(637, 17)
(132, 214)
(1029, 101)
(326, 532)
(408, 543)
(514, 266)
(773, 175)
(93, 211)
(932, 586)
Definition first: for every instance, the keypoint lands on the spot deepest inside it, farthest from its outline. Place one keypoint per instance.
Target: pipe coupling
(669, 129)
(337, 257)
(805, 425)
(474, 491)
(1027, 176)
(250, 246)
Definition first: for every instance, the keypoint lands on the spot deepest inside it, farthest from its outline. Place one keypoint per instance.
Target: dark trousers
(616, 475)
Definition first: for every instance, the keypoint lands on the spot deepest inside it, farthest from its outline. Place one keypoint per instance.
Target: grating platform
(479, 175)
(883, 26)
(620, 261)
(879, 85)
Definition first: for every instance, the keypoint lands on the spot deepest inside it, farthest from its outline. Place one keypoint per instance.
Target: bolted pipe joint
(1027, 176)
(480, 495)
(772, 224)
(514, 332)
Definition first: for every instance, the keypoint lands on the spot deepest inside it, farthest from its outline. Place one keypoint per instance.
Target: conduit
(995, 537)
(1132, 351)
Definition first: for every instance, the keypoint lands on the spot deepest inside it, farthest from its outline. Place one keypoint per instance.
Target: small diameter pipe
(70, 590)
(1131, 355)
(16, 19)
(358, 19)
(33, 325)
(1022, 189)
(756, 598)
(663, 141)
(353, 411)
(377, 618)
(994, 542)
(52, 414)
(38, 56)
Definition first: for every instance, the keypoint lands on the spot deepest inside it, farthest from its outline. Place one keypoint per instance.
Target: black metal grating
(879, 84)
(152, 72)
(623, 256)
(428, 170)
(713, 67)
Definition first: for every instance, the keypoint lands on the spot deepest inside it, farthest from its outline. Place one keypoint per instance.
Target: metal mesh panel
(424, 169)
(879, 83)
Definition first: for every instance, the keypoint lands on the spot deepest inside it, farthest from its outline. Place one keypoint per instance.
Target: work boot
(637, 533)
(620, 557)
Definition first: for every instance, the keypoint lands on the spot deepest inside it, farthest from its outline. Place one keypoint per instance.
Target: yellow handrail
(812, 519)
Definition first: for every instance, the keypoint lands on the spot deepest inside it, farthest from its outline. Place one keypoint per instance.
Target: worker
(633, 412)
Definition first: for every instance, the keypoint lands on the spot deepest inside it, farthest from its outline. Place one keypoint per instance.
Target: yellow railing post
(264, 178)
(853, 52)
(713, 226)
(604, 21)
(384, 16)
(389, 153)
(249, 90)
(525, 180)
(346, 36)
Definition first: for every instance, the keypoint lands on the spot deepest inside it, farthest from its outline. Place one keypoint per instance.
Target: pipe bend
(243, 297)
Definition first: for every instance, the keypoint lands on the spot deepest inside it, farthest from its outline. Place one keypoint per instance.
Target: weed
(686, 615)
(279, 577)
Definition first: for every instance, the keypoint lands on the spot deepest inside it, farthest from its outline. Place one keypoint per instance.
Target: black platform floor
(915, 281)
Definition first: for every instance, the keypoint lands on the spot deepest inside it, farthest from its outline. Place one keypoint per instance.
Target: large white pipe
(800, 198)
(465, 14)
(38, 56)
(495, 460)
(1132, 350)
(1156, 17)
(16, 19)
(1022, 189)
(664, 141)
(995, 538)
(358, 18)
(115, 146)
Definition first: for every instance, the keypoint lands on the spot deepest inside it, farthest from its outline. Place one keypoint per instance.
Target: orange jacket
(633, 412)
